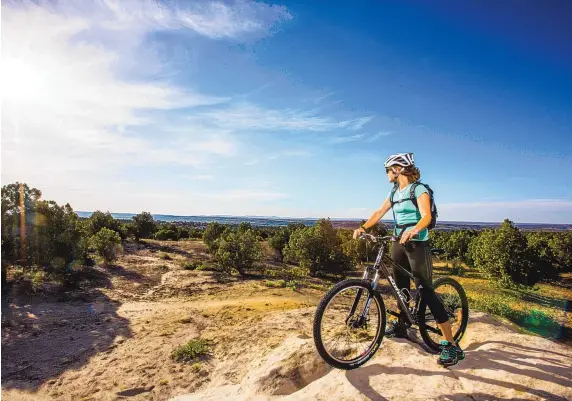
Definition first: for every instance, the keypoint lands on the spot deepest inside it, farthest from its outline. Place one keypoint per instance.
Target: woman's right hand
(358, 232)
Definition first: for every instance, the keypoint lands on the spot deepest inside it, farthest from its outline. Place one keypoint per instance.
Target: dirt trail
(142, 309)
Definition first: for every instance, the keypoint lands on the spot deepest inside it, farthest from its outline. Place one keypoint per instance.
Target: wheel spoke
(351, 341)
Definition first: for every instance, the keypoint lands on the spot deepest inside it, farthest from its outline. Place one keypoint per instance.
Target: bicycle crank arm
(434, 330)
(392, 313)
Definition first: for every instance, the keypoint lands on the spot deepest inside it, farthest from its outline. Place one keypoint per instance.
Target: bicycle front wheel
(454, 299)
(349, 324)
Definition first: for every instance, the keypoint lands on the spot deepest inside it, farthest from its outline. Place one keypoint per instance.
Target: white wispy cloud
(346, 139)
(213, 19)
(375, 137)
(218, 20)
(246, 116)
(358, 137)
(360, 122)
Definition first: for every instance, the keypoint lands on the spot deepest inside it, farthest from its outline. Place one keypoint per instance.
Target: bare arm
(424, 203)
(378, 214)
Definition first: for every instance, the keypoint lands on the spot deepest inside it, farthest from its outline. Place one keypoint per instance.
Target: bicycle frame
(378, 266)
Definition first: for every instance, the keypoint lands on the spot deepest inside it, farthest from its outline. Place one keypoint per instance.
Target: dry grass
(542, 309)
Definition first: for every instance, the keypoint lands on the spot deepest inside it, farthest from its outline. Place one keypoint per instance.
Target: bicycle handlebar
(373, 238)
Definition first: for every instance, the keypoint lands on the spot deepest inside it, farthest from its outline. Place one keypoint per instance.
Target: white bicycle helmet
(400, 159)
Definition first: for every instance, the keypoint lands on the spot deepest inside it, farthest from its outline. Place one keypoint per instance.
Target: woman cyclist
(413, 251)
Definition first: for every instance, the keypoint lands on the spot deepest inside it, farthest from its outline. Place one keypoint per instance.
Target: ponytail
(412, 173)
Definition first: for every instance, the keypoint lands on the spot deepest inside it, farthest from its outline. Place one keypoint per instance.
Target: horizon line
(318, 218)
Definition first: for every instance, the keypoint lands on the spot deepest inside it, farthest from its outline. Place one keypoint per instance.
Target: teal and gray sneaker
(450, 354)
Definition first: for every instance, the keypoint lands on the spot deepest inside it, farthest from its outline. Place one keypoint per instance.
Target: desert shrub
(166, 235)
(275, 284)
(293, 285)
(107, 244)
(206, 267)
(192, 265)
(296, 273)
(190, 351)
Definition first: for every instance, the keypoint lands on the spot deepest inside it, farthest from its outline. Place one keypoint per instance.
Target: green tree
(38, 232)
(143, 226)
(457, 245)
(18, 222)
(238, 250)
(170, 232)
(502, 254)
(295, 227)
(184, 232)
(107, 244)
(99, 220)
(244, 227)
(317, 248)
(59, 234)
(541, 255)
(279, 241)
(212, 233)
(561, 247)
(281, 237)
(440, 239)
(361, 250)
(195, 233)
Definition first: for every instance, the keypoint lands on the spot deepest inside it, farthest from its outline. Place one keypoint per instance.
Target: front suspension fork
(365, 310)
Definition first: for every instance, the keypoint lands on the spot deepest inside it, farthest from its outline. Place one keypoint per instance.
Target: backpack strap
(412, 193)
(393, 203)
(395, 186)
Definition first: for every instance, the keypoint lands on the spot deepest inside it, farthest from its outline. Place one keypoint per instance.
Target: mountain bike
(357, 335)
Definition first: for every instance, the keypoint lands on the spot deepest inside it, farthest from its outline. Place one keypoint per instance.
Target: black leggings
(415, 256)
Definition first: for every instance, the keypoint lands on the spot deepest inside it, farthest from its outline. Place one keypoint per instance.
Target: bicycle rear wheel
(454, 299)
(344, 338)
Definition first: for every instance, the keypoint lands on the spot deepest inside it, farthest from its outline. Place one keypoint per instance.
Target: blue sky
(290, 109)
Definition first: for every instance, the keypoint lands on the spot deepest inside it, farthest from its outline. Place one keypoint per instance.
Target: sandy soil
(114, 342)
